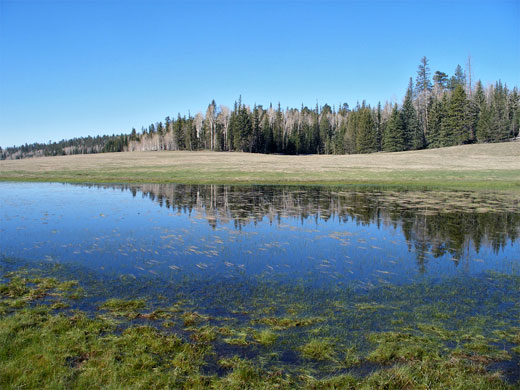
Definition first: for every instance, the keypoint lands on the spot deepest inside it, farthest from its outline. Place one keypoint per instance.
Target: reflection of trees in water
(433, 223)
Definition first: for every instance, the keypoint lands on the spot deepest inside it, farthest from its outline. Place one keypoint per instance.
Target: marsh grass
(47, 342)
(265, 337)
(318, 349)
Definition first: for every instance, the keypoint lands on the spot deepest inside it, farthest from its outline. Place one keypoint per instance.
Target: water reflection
(436, 223)
(363, 236)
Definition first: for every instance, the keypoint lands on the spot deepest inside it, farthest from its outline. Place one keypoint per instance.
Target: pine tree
(459, 78)
(325, 129)
(350, 140)
(339, 139)
(423, 87)
(413, 133)
(394, 139)
(484, 124)
(379, 127)
(500, 130)
(257, 134)
(435, 117)
(365, 132)
(455, 127)
(514, 112)
(179, 133)
(441, 81)
(267, 135)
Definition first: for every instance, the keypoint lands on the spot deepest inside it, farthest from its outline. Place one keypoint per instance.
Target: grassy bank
(483, 167)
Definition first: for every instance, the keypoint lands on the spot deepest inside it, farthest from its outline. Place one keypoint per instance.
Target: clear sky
(77, 68)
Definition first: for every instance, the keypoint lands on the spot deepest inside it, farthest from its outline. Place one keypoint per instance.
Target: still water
(319, 234)
(357, 261)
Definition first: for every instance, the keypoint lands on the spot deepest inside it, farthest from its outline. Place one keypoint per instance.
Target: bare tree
(469, 86)
(211, 113)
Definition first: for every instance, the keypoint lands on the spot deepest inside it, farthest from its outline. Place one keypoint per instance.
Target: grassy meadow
(470, 167)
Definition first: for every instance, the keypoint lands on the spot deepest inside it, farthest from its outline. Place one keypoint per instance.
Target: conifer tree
(325, 129)
(365, 132)
(436, 115)
(459, 78)
(413, 133)
(179, 133)
(500, 130)
(394, 139)
(379, 127)
(423, 86)
(484, 124)
(514, 112)
(455, 130)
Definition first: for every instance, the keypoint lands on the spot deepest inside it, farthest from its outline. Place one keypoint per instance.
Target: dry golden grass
(483, 163)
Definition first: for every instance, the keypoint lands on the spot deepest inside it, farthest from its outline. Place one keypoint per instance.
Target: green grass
(318, 349)
(47, 342)
(481, 180)
(471, 167)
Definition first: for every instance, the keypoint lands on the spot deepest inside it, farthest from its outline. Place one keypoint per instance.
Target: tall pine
(413, 133)
(394, 139)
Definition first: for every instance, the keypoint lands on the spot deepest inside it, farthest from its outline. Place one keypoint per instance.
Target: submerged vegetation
(449, 334)
(388, 294)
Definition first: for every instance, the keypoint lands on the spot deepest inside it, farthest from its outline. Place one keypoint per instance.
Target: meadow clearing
(474, 167)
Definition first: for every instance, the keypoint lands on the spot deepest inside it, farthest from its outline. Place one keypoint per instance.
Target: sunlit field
(485, 166)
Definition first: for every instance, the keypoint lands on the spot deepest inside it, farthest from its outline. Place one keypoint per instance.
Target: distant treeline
(436, 112)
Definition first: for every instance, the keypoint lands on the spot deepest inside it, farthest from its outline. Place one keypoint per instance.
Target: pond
(314, 280)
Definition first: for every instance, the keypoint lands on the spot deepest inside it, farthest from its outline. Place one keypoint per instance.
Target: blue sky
(76, 68)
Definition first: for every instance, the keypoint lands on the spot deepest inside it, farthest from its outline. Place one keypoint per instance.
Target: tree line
(436, 111)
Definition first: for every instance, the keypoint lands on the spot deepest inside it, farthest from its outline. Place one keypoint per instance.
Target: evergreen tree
(268, 135)
(394, 139)
(423, 86)
(316, 145)
(379, 127)
(436, 115)
(441, 81)
(484, 124)
(350, 140)
(455, 130)
(365, 132)
(459, 78)
(257, 139)
(339, 139)
(423, 83)
(179, 133)
(514, 112)
(500, 130)
(413, 133)
(325, 129)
